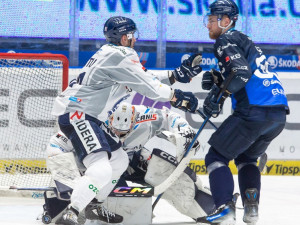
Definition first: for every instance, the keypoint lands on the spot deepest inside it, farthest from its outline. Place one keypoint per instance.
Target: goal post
(29, 84)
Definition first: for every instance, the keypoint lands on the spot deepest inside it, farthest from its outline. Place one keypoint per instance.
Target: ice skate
(224, 215)
(69, 217)
(251, 206)
(96, 211)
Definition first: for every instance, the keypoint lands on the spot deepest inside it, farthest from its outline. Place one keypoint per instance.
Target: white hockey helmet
(123, 119)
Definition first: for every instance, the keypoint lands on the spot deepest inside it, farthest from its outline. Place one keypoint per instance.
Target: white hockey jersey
(151, 122)
(112, 72)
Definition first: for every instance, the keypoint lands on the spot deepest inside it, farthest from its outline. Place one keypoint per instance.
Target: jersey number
(90, 62)
(80, 78)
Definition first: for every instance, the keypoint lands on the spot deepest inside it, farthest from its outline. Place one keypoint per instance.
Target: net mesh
(28, 88)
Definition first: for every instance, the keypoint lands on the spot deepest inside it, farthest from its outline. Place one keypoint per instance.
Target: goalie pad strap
(165, 156)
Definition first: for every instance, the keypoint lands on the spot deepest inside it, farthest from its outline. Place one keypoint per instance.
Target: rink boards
(273, 167)
(284, 151)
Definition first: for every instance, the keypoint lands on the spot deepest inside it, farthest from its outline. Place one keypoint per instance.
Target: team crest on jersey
(147, 117)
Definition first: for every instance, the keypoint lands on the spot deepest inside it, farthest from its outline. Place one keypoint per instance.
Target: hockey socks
(221, 185)
(249, 177)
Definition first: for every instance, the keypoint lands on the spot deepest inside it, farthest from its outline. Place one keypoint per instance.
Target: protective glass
(208, 19)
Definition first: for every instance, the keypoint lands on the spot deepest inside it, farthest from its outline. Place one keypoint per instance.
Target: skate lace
(105, 212)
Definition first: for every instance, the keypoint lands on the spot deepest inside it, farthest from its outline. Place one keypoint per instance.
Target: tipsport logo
(281, 169)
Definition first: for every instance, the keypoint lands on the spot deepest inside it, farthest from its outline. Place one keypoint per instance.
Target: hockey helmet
(224, 7)
(123, 119)
(115, 27)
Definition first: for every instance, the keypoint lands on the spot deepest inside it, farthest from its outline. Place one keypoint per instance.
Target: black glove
(211, 107)
(210, 78)
(185, 101)
(188, 69)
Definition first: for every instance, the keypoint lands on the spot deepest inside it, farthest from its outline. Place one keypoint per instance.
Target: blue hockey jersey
(253, 84)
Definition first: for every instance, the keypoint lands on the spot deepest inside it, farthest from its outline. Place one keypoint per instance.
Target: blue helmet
(115, 27)
(224, 7)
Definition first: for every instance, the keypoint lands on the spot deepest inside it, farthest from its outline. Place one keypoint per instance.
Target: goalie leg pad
(64, 169)
(185, 194)
(160, 166)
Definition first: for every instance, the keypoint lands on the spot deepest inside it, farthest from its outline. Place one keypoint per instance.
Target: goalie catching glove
(212, 107)
(188, 69)
(185, 101)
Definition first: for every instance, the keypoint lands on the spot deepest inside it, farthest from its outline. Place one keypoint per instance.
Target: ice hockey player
(110, 73)
(136, 125)
(260, 108)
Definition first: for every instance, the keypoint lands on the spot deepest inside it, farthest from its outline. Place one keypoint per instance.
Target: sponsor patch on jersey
(220, 51)
(235, 69)
(277, 91)
(74, 99)
(221, 48)
(77, 115)
(227, 60)
(87, 135)
(63, 138)
(266, 83)
(236, 56)
(147, 117)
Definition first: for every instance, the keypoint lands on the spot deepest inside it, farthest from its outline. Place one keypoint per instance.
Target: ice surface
(279, 205)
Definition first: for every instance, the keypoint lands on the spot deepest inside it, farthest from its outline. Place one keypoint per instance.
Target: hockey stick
(262, 162)
(203, 116)
(32, 188)
(160, 189)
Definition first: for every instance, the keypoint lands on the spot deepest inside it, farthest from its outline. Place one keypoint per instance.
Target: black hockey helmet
(115, 27)
(224, 7)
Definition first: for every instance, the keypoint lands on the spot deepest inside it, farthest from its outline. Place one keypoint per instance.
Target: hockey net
(29, 84)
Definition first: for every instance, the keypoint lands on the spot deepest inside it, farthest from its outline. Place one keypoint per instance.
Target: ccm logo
(169, 158)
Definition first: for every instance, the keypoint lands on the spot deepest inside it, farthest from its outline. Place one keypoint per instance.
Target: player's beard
(215, 34)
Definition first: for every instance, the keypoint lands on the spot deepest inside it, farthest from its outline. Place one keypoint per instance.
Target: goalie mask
(123, 120)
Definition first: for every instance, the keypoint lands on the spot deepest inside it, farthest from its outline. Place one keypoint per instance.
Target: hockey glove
(185, 101)
(210, 78)
(188, 69)
(211, 107)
